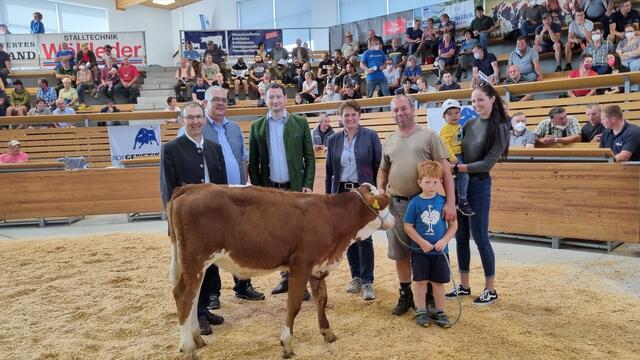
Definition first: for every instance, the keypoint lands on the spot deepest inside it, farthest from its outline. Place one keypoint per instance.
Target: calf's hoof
(287, 355)
(199, 342)
(329, 336)
(188, 354)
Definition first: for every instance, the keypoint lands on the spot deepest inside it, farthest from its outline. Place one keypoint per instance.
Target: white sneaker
(355, 286)
(367, 292)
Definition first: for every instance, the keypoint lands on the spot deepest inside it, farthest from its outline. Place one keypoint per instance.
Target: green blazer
(298, 145)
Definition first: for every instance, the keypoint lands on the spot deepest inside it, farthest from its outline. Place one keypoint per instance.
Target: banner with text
(460, 11)
(130, 142)
(236, 43)
(39, 50)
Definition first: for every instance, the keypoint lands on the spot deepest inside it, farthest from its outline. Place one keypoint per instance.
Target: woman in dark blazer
(353, 158)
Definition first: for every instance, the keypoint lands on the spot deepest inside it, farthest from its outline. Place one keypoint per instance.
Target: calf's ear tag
(375, 204)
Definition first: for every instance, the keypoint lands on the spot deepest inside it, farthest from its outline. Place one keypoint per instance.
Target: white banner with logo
(460, 11)
(31, 51)
(130, 142)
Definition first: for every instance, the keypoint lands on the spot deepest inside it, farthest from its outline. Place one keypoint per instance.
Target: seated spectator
(548, 39)
(622, 137)
(349, 47)
(446, 53)
(14, 155)
(41, 108)
(18, 99)
(198, 90)
(62, 109)
(584, 71)
(279, 57)
(84, 82)
(465, 57)
(352, 78)
(309, 88)
(256, 72)
(558, 128)
(527, 60)
(66, 53)
(580, 33)
(110, 107)
(592, 130)
(599, 47)
(65, 71)
(372, 37)
(485, 67)
(330, 94)
(322, 132)
(614, 66)
(128, 85)
(514, 77)
(209, 69)
(190, 54)
(218, 55)
(599, 11)
(406, 88)
(446, 25)
(323, 70)
(392, 74)
(172, 105)
(397, 53)
(298, 100)
(340, 64)
(47, 93)
(349, 92)
(423, 87)
(87, 58)
(429, 41)
(262, 88)
(4, 103)
(448, 83)
(68, 94)
(413, 36)
(298, 78)
(5, 66)
(530, 18)
(185, 77)
(520, 135)
(219, 81)
(620, 19)
(482, 27)
(629, 49)
(412, 71)
(301, 53)
(373, 63)
(239, 76)
(37, 26)
(109, 80)
(331, 77)
(107, 56)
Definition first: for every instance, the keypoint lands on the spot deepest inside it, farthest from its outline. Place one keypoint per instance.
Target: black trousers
(211, 286)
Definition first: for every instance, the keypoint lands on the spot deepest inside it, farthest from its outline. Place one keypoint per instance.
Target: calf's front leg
(298, 279)
(319, 291)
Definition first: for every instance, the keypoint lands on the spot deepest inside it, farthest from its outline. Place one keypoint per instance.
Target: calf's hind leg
(319, 291)
(298, 279)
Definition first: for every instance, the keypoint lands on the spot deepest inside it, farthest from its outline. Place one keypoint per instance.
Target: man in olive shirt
(403, 151)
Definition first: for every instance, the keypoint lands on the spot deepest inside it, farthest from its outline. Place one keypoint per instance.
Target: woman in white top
(309, 88)
(172, 103)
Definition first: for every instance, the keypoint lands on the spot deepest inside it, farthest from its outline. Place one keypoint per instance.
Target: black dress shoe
(282, 287)
(214, 302)
(205, 327)
(249, 293)
(214, 319)
(306, 296)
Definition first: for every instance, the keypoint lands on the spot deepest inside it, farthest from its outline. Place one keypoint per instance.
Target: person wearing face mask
(520, 135)
(558, 128)
(614, 66)
(330, 95)
(373, 63)
(584, 71)
(485, 67)
(599, 48)
(629, 49)
(620, 19)
(412, 71)
(580, 33)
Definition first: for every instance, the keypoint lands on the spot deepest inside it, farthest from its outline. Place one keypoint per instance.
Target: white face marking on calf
(237, 185)
(223, 260)
(384, 219)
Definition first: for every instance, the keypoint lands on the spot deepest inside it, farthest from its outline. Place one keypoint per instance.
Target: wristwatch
(455, 168)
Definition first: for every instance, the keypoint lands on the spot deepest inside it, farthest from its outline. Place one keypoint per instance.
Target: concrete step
(146, 92)
(161, 75)
(163, 82)
(159, 69)
(140, 106)
(152, 100)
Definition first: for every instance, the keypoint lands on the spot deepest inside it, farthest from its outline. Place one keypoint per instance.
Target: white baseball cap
(14, 142)
(450, 103)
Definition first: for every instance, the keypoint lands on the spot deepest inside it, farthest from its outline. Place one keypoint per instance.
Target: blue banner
(245, 42)
(199, 39)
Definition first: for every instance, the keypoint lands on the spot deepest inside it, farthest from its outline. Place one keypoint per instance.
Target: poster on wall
(393, 27)
(133, 141)
(22, 49)
(199, 39)
(245, 42)
(122, 44)
(460, 11)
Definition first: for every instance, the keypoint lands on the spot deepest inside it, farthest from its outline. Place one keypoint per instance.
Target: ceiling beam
(123, 4)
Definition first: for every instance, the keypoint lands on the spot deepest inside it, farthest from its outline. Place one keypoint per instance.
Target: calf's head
(378, 204)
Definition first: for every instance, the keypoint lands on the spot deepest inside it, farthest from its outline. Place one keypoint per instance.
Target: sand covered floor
(107, 297)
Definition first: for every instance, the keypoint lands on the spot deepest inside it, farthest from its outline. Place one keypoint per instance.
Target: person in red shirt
(88, 58)
(585, 70)
(128, 85)
(14, 155)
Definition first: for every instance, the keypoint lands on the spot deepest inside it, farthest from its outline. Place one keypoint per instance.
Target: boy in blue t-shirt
(424, 224)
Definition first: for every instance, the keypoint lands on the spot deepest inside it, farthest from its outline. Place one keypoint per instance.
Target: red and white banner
(394, 27)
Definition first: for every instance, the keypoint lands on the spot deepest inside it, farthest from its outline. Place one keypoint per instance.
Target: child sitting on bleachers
(451, 135)
(109, 82)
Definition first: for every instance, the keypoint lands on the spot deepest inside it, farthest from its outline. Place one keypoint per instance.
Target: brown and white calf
(253, 230)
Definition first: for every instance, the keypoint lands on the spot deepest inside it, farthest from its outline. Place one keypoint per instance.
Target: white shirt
(199, 145)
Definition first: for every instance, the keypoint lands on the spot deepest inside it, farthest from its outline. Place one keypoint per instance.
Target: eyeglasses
(194, 117)
(220, 100)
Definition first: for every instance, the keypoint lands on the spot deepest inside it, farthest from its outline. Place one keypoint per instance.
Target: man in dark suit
(192, 159)
(281, 153)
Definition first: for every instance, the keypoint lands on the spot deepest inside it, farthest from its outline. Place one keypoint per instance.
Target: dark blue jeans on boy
(461, 181)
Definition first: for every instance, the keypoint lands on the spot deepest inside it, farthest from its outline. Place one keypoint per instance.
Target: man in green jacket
(281, 153)
(19, 100)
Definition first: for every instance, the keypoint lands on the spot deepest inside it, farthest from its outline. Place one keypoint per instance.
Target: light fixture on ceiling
(164, 2)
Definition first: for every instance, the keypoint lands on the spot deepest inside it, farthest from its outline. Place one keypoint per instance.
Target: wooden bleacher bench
(141, 162)
(31, 73)
(32, 166)
(557, 154)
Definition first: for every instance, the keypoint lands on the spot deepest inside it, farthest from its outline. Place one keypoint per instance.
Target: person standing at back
(373, 63)
(37, 27)
(281, 154)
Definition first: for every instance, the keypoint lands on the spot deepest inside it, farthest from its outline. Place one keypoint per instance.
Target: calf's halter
(376, 213)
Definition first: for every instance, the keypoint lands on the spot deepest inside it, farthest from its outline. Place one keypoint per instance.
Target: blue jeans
(600, 69)
(384, 86)
(526, 28)
(81, 89)
(477, 225)
(360, 257)
(483, 39)
(462, 181)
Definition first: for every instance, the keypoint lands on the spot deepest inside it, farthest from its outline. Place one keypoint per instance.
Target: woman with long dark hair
(485, 141)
